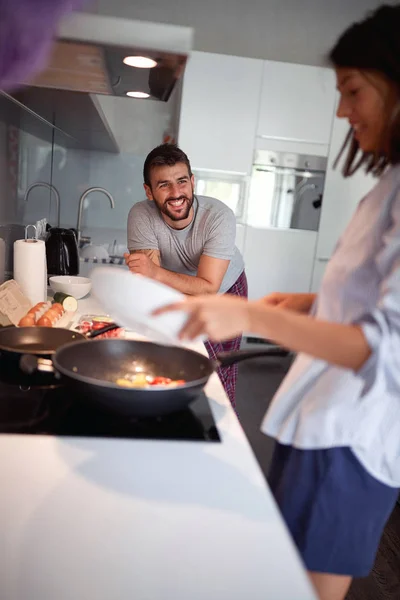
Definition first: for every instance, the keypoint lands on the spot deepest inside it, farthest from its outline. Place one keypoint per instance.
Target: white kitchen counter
(106, 519)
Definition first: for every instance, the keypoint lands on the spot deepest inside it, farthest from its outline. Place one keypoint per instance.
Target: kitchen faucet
(81, 201)
(50, 187)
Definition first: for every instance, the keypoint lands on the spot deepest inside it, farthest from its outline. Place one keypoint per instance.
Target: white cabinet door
(219, 111)
(340, 199)
(278, 260)
(297, 103)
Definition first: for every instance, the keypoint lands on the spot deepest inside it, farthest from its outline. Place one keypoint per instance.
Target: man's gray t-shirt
(212, 232)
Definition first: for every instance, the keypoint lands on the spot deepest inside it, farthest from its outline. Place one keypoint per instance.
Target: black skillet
(93, 369)
(38, 341)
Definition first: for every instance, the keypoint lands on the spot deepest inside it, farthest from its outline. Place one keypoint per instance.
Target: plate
(130, 299)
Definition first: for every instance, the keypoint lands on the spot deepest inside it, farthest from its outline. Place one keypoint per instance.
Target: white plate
(130, 299)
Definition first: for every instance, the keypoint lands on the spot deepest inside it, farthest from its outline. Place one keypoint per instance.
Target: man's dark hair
(166, 155)
(373, 45)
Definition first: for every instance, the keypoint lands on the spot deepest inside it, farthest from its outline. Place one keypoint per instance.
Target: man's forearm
(187, 284)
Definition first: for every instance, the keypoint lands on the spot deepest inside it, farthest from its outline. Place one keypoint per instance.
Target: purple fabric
(27, 29)
(228, 375)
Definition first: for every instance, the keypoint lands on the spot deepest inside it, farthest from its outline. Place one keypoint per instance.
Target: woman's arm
(224, 317)
(342, 345)
(301, 303)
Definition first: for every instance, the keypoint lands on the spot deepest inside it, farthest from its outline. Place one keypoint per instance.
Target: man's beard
(165, 209)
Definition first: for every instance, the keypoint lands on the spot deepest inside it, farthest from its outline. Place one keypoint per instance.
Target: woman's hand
(300, 303)
(219, 317)
(223, 317)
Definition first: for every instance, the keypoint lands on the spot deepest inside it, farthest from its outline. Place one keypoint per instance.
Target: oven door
(286, 194)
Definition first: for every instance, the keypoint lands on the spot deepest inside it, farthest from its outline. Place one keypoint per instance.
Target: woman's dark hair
(165, 155)
(373, 45)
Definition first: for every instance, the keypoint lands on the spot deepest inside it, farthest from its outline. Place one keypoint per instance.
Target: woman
(335, 472)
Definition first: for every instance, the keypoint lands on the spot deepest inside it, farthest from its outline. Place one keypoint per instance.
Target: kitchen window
(229, 189)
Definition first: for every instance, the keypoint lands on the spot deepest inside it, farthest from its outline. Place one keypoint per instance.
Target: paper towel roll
(30, 269)
(2, 260)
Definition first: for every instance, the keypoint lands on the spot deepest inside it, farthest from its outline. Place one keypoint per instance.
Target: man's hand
(142, 264)
(300, 303)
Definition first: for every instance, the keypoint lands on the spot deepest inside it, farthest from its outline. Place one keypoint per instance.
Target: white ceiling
(289, 30)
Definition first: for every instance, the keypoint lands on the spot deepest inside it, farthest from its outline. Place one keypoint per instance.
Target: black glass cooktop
(47, 408)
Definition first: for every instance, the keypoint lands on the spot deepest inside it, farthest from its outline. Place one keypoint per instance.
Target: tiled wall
(25, 157)
(74, 171)
(138, 126)
(30, 152)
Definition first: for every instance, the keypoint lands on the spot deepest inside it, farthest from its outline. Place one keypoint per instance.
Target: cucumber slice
(69, 303)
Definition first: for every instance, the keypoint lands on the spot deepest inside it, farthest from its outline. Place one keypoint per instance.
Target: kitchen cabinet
(219, 109)
(340, 199)
(278, 260)
(297, 104)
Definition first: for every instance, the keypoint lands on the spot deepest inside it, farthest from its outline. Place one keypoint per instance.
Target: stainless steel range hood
(88, 57)
(88, 60)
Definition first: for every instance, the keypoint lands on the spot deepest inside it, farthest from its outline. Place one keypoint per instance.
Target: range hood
(89, 54)
(88, 60)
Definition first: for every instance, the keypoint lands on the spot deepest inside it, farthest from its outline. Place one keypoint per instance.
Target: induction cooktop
(44, 406)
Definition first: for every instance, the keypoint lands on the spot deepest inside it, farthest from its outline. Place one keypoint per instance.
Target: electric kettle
(62, 252)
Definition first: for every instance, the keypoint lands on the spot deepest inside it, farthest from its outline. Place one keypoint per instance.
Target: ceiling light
(141, 62)
(138, 94)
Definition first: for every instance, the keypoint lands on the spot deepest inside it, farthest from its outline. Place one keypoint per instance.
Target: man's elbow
(211, 287)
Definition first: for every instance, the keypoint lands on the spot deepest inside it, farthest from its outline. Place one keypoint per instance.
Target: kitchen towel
(30, 269)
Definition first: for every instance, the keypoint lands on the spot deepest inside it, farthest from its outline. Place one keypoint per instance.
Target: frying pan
(38, 341)
(92, 369)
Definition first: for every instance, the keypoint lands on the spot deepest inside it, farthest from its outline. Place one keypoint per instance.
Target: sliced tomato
(161, 381)
(98, 325)
(166, 381)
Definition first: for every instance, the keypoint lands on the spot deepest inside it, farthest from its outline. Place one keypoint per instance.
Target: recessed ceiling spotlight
(141, 62)
(138, 94)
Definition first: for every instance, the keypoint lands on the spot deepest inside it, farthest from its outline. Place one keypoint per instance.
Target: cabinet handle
(323, 259)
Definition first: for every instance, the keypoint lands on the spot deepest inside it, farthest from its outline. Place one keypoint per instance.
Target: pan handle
(226, 359)
(96, 332)
(30, 364)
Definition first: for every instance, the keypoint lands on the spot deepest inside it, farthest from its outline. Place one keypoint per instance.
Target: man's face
(172, 189)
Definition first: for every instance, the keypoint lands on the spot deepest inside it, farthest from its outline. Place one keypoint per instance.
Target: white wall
(300, 31)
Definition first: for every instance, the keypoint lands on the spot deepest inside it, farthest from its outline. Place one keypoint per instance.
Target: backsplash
(74, 171)
(32, 151)
(25, 157)
(137, 127)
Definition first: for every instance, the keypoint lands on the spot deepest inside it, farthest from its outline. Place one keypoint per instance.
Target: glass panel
(285, 198)
(228, 192)
(25, 158)
(261, 198)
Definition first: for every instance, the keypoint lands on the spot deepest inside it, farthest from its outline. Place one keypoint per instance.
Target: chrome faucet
(50, 187)
(81, 201)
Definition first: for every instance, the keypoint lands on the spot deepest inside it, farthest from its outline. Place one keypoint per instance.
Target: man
(186, 241)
